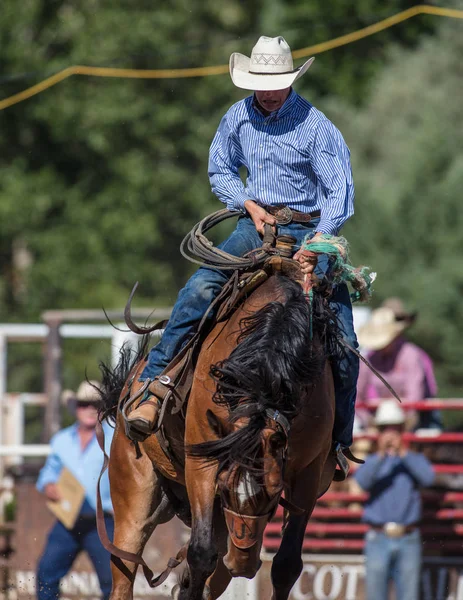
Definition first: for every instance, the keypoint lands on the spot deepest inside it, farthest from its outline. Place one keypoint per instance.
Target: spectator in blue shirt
(299, 178)
(393, 476)
(77, 449)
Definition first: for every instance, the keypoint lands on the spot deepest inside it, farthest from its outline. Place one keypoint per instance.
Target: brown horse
(259, 422)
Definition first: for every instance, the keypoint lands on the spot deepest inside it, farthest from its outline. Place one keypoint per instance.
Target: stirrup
(342, 454)
(132, 432)
(138, 432)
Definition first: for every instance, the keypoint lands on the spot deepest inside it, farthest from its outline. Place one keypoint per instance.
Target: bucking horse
(250, 427)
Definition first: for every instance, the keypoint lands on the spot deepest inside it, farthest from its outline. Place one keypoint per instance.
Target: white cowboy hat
(389, 413)
(381, 329)
(86, 392)
(269, 68)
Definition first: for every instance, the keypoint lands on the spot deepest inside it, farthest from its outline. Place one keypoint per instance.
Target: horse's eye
(277, 441)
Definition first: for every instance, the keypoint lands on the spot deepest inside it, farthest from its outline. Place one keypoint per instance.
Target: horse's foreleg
(202, 551)
(221, 577)
(139, 505)
(287, 563)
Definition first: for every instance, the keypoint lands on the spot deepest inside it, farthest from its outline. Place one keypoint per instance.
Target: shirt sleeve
(330, 160)
(52, 468)
(419, 468)
(363, 382)
(415, 382)
(224, 162)
(366, 474)
(431, 383)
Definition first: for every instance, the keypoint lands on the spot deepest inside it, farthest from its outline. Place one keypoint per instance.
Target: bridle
(245, 530)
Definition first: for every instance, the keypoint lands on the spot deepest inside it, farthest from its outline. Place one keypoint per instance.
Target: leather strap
(245, 530)
(290, 507)
(285, 215)
(152, 580)
(348, 454)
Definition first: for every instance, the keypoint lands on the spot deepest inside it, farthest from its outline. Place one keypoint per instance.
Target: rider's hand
(390, 443)
(307, 262)
(51, 492)
(259, 215)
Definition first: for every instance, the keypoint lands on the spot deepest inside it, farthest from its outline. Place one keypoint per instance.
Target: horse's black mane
(281, 352)
(113, 379)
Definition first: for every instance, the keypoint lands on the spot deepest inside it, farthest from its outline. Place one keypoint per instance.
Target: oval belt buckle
(284, 216)
(394, 529)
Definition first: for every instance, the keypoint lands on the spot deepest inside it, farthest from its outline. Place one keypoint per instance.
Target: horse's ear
(217, 425)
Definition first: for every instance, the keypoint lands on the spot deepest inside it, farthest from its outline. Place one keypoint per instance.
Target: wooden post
(53, 384)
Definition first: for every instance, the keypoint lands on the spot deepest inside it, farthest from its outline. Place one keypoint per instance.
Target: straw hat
(270, 66)
(86, 392)
(385, 324)
(397, 306)
(381, 329)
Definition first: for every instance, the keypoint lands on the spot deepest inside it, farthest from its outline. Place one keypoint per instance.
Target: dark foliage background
(101, 177)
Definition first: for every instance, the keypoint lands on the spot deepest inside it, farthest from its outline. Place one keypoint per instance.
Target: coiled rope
(196, 248)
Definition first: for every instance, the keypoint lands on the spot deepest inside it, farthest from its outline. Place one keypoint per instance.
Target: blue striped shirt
(295, 156)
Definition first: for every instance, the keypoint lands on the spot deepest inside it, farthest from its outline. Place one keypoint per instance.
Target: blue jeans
(63, 545)
(206, 284)
(389, 558)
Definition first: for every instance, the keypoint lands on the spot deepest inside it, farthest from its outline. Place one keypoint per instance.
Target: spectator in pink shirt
(405, 366)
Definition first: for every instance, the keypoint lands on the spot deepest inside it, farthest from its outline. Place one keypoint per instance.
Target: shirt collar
(281, 112)
(74, 429)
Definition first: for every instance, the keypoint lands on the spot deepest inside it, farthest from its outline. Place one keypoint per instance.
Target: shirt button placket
(261, 145)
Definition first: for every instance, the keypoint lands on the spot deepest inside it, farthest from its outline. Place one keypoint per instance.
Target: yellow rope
(376, 27)
(221, 69)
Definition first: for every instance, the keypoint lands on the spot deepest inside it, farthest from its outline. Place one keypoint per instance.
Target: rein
(285, 426)
(152, 580)
(371, 367)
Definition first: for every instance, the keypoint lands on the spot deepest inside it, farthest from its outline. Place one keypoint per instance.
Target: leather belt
(393, 529)
(285, 215)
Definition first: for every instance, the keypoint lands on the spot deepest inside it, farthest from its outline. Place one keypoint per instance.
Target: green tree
(101, 178)
(408, 163)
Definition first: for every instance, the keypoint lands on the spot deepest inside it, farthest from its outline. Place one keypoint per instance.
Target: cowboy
(404, 365)
(298, 178)
(393, 476)
(76, 449)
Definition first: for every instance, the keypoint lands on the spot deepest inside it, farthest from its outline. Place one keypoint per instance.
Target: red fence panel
(336, 527)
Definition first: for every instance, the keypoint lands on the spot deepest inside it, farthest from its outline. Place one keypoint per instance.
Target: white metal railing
(22, 450)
